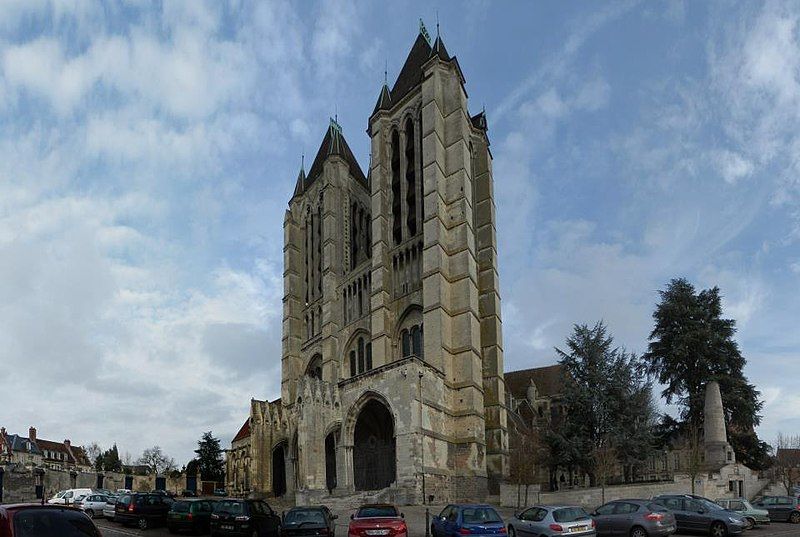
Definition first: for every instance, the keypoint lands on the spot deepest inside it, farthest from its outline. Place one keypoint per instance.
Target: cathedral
(392, 351)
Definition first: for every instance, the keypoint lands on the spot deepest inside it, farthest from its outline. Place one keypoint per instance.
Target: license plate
(226, 527)
(377, 532)
(576, 529)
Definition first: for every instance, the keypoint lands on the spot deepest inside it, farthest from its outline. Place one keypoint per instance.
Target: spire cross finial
(385, 72)
(303, 161)
(437, 23)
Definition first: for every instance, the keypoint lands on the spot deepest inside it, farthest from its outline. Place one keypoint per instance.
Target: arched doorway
(330, 461)
(374, 457)
(279, 470)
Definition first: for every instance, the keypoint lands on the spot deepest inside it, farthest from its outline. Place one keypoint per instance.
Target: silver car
(636, 518)
(552, 521)
(109, 508)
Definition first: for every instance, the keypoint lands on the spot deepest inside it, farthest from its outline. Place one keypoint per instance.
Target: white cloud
(732, 166)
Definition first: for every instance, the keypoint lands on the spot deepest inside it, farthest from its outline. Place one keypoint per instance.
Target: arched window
(352, 363)
(369, 356)
(416, 341)
(360, 355)
(411, 180)
(314, 368)
(405, 340)
(397, 209)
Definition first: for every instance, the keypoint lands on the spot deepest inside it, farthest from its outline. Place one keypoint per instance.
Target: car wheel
(795, 518)
(90, 513)
(718, 529)
(142, 523)
(638, 531)
(750, 523)
(512, 532)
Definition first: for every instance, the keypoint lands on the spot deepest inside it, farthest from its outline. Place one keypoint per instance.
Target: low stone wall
(19, 483)
(589, 498)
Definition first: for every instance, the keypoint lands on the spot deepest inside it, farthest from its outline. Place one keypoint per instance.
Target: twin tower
(392, 351)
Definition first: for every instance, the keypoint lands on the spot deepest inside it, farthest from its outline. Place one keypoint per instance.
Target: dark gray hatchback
(694, 513)
(637, 518)
(781, 508)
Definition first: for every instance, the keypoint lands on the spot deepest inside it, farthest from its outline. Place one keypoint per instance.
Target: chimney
(66, 443)
(2, 431)
(32, 434)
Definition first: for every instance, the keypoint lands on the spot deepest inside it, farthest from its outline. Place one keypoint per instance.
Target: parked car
(244, 518)
(92, 505)
(29, 520)
(301, 521)
(464, 519)
(69, 496)
(193, 515)
(145, 510)
(188, 493)
(377, 519)
(57, 498)
(695, 513)
(109, 507)
(750, 514)
(552, 520)
(780, 508)
(219, 492)
(637, 518)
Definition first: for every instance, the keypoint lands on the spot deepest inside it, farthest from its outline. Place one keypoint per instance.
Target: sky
(148, 151)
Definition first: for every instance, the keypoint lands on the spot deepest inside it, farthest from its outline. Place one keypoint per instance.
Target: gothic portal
(392, 358)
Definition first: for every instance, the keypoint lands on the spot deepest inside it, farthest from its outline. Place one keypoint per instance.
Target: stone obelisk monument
(718, 451)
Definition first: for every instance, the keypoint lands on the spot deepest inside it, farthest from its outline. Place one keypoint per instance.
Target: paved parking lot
(415, 517)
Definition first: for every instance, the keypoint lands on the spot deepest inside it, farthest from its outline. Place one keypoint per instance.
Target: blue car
(467, 519)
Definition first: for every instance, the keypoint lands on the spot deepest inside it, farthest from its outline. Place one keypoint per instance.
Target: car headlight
(736, 520)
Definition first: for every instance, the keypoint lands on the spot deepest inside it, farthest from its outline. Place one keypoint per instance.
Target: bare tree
(695, 452)
(156, 461)
(524, 457)
(606, 460)
(787, 460)
(93, 451)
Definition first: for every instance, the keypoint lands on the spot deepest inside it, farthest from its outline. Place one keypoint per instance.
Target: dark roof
(479, 121)
(333, 144)
(54, 446)
(411, 73)
(19, 443)
(549, 381)
(440, 50)
(384, 100)
(299, 186)
(244, 432)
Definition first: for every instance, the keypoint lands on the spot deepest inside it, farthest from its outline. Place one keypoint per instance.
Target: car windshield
(569, 514)
(230, 507)
(305, 516)
(708, 504)
(480, 515)
(46, 522)
(377, 511)
(180, 507)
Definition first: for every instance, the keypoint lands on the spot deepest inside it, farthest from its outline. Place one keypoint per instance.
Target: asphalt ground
(415, 518)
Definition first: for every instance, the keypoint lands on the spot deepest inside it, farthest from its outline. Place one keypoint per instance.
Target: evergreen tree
(608, 407)
(690, 345)
(109, 460)
(209, 458)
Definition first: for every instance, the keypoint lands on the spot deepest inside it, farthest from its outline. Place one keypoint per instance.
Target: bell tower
(434, 246)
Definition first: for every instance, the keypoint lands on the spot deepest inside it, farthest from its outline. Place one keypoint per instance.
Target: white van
(69, 496)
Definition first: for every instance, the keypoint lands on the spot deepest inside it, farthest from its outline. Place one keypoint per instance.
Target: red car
(34, 520)
(377, 520)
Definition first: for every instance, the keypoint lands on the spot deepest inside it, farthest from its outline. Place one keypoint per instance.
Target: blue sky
(148, 150)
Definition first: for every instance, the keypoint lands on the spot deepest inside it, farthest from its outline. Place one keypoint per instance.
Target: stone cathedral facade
(392, 351)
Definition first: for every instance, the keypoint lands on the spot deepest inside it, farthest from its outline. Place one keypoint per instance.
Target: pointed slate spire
(439, 49)
(300, 186)
(332, 144)
(384, 100)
